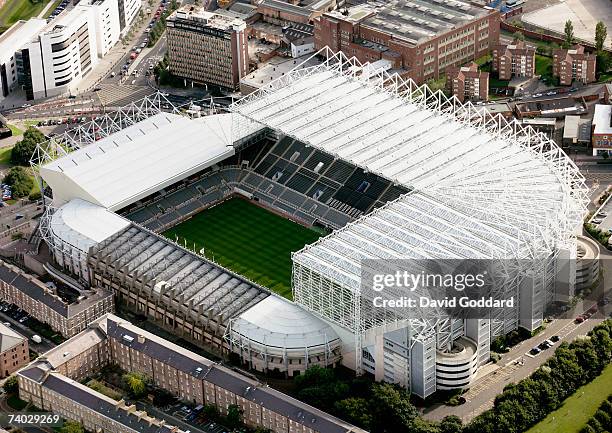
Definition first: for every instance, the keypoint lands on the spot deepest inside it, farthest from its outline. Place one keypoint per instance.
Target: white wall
(106, 22)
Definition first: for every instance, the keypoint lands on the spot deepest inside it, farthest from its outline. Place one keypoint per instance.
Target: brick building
(42, 303)
(467, 82)
(206, 47)
(601, 138)
(515, 60)
(417, 40)
(14, 352)
(574, 65)
(52, 382)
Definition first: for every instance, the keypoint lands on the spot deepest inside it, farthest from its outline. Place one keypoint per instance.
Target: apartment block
(207, 48)
(40, 301)
(14, 352)
(574, 65)
(17, 35)
(514, 60)
(419, 40)
(51, 382)
(467, 82)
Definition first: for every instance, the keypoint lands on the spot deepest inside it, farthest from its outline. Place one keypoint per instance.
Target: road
(494, 377)
(44, 346)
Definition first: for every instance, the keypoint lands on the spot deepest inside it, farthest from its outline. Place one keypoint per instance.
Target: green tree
(603, 62)
(19, 180)
(569, 34)
(11, 385)
(72, 427)
(451, 424)
(136, 383)
(233, 419)
(355, 411)
(601, 32)
(24, 149)
(391, 409)
(518, 36)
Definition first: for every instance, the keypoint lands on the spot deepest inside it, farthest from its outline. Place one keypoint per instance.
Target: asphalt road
(493, 378)
(44, 346)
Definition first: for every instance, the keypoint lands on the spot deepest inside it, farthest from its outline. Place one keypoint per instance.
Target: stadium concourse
(394, 170)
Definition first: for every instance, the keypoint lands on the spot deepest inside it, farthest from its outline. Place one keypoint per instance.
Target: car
(555, 338)
(596, 220)
(26, 105)
(113, 74)
(147, 30)
(543, 346)
(7, 324)
(534, 351)
(579, 319)
(549, 342)
(23, 319)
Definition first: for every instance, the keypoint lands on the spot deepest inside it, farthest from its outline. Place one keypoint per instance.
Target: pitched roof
(9, 338)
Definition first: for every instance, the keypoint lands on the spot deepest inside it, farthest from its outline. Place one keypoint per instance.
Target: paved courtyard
(584, 15)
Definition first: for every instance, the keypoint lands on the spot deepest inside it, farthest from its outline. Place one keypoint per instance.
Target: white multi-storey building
(16, 36)
(52, 59)
(61, 55)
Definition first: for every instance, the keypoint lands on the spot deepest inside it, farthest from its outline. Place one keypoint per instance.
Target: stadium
(244, 231)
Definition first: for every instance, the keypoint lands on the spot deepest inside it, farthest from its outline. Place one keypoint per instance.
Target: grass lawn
(247, 239)
(577, 409)
(5, 155)
(16, 131)
(52, 8)
(15, 10)
(543, 67)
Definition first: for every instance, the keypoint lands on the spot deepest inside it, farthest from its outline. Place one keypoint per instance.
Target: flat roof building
(207, 48)
(421, 38)
(577, 131)
(16, 36)
(602, 129)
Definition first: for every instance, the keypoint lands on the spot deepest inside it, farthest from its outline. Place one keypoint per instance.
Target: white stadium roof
(276, 323)
(83, 224)
(482, 187)
(140, 159)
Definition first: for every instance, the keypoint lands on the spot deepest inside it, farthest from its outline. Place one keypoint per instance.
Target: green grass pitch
(247, 239)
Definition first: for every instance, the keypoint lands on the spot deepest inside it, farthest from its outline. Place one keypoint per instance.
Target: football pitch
(247, 239)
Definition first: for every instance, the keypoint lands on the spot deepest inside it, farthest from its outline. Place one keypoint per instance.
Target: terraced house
(51, 383)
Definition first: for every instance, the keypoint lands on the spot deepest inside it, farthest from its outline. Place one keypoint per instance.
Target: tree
(20, 182)
(72, 427)
(518, 36)
(355, 411)
(11, 385)
(24, 149)
(601, 32)
(451, 424)
(569, 34)
(603, 62)
(136, 383)
(233, 419)
(391, 409)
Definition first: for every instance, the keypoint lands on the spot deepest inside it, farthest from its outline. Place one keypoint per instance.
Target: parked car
(555, 338)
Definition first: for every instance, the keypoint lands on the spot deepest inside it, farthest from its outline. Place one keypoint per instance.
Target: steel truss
(525, 209)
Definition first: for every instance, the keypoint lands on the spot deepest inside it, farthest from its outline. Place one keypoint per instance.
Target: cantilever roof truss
(482, 187)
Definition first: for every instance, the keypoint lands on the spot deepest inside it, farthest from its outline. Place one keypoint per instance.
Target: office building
(14, 352)
(17, 35)
(467, 82)
(419, 40)
(207, 48)
(574, 65)
(514, 60)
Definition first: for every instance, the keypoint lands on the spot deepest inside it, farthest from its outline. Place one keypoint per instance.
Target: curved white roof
(83, 224)
(278, 323)
(140, 159)
(481, 187)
